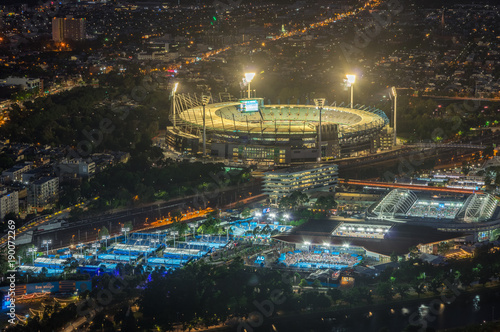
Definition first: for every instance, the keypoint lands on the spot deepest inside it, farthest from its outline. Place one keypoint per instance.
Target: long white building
(307, 178)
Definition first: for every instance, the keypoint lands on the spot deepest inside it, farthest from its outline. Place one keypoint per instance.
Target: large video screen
(249, 105)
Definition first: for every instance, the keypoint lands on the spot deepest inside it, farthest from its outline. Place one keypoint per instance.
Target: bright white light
(286, 216)
(175, 87)
(351, 78)
(272, 215)
(258, 214)
(249, 76)
(307, 243)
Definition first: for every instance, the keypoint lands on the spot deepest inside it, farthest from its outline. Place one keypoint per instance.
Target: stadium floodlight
(351, 79)
(249, 77)
(258, 214)
(395, 94)
(204, 101)
(272, 215)
(319, 102)
(286, 216)
(173, 100)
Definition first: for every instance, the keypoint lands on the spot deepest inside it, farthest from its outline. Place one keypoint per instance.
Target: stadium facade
(477, 214)
(249, 131)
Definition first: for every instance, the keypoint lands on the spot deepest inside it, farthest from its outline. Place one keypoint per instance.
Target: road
(40, 221)
(147, 218)
(407, 186)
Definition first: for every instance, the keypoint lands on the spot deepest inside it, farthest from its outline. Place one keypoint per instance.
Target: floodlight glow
(175, 87)
(351, 78)
(307, 243)
(249, 77)
(272, 215)
(286, 216)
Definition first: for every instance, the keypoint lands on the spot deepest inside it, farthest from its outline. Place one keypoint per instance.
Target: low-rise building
(281, 183)
(15, 173)
(76, 167)
(43, 192)
(9, 202)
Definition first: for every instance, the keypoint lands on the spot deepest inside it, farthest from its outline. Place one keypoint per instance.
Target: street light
(395, 94)
(106, 237)
(47, 243)
(351, 79)
(320, 102)
(204, 100)
(249, 77)
(173, 100)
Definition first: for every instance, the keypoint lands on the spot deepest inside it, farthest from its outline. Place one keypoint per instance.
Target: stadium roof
(398, 240)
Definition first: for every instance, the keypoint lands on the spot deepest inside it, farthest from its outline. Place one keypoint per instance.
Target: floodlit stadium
(248, 130)
(476, 213)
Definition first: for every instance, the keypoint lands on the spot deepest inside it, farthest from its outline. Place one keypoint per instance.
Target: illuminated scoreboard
(249, 105)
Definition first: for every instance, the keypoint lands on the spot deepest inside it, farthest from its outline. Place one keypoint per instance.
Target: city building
(15, 173)
(9, 202)
(43, 192)
(24, 82)
(76, 167)
(68, 28)
(281, 183)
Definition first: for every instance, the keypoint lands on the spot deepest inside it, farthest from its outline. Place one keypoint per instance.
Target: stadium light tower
(173, 100)
(351, 79)
(204, 101)
(249, 77)
(395, 94)
(320, 102)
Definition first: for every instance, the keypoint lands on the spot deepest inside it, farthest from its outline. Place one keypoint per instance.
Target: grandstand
(319, 259)
(406, 205)
(275, 133)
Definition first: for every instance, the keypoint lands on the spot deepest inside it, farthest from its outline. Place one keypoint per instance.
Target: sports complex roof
(398, 239)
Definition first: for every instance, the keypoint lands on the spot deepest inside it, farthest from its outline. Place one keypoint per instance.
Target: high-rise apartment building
(68, 28)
